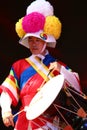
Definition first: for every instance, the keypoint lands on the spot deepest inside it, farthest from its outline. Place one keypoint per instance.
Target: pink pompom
(33, 22)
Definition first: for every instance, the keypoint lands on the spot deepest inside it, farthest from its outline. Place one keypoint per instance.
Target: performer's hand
(8, 119)
(55, 66)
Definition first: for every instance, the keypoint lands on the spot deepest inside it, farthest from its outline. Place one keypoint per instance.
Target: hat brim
(50, 40)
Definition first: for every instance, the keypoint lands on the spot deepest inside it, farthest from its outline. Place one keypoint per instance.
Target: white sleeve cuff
(5, 102)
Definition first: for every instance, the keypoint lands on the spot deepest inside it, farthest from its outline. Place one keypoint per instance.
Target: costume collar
(42, 57)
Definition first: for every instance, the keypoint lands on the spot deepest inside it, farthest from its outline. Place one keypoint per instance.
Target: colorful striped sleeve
(10, 85)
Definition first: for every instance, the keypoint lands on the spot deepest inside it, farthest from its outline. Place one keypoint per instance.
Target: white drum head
(45, 97)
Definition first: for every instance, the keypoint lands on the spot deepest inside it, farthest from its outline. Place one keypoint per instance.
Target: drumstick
(20, 112)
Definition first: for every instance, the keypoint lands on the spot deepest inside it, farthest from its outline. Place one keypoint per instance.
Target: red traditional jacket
(22, 84)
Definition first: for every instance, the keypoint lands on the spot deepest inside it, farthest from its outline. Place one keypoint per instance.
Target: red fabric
(26, 95)
(19, 66)
(23, 123)
(68, 127)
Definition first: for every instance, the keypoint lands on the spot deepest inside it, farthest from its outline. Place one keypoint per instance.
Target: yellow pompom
(53, 26)
(19, 29)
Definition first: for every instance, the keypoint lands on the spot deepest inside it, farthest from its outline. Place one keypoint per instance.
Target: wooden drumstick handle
(20, 112)
(44, 80)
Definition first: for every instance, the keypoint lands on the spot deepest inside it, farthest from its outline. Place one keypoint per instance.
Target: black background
(71, 46)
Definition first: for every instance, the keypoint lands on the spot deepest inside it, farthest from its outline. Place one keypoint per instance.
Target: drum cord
(80, 111)
(43, 120)
(66, 89)
(78, 93)
(36, 124)
(56, 107)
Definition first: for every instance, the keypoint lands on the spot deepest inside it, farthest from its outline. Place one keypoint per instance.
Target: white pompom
(40, 6)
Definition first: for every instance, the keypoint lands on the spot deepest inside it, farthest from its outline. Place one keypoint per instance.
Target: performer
(37, 30)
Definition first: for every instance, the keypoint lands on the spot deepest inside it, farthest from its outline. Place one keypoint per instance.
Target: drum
(45, 97)
(59, 103)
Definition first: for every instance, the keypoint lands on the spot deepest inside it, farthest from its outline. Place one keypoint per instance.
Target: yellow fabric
(45, 77)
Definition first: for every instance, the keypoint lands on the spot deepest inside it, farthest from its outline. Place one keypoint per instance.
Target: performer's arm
(7, 116)
(71, 77)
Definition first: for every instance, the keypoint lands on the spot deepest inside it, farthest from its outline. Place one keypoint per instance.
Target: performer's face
(36, 45)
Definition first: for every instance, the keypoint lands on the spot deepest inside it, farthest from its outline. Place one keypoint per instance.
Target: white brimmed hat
(49, 39)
